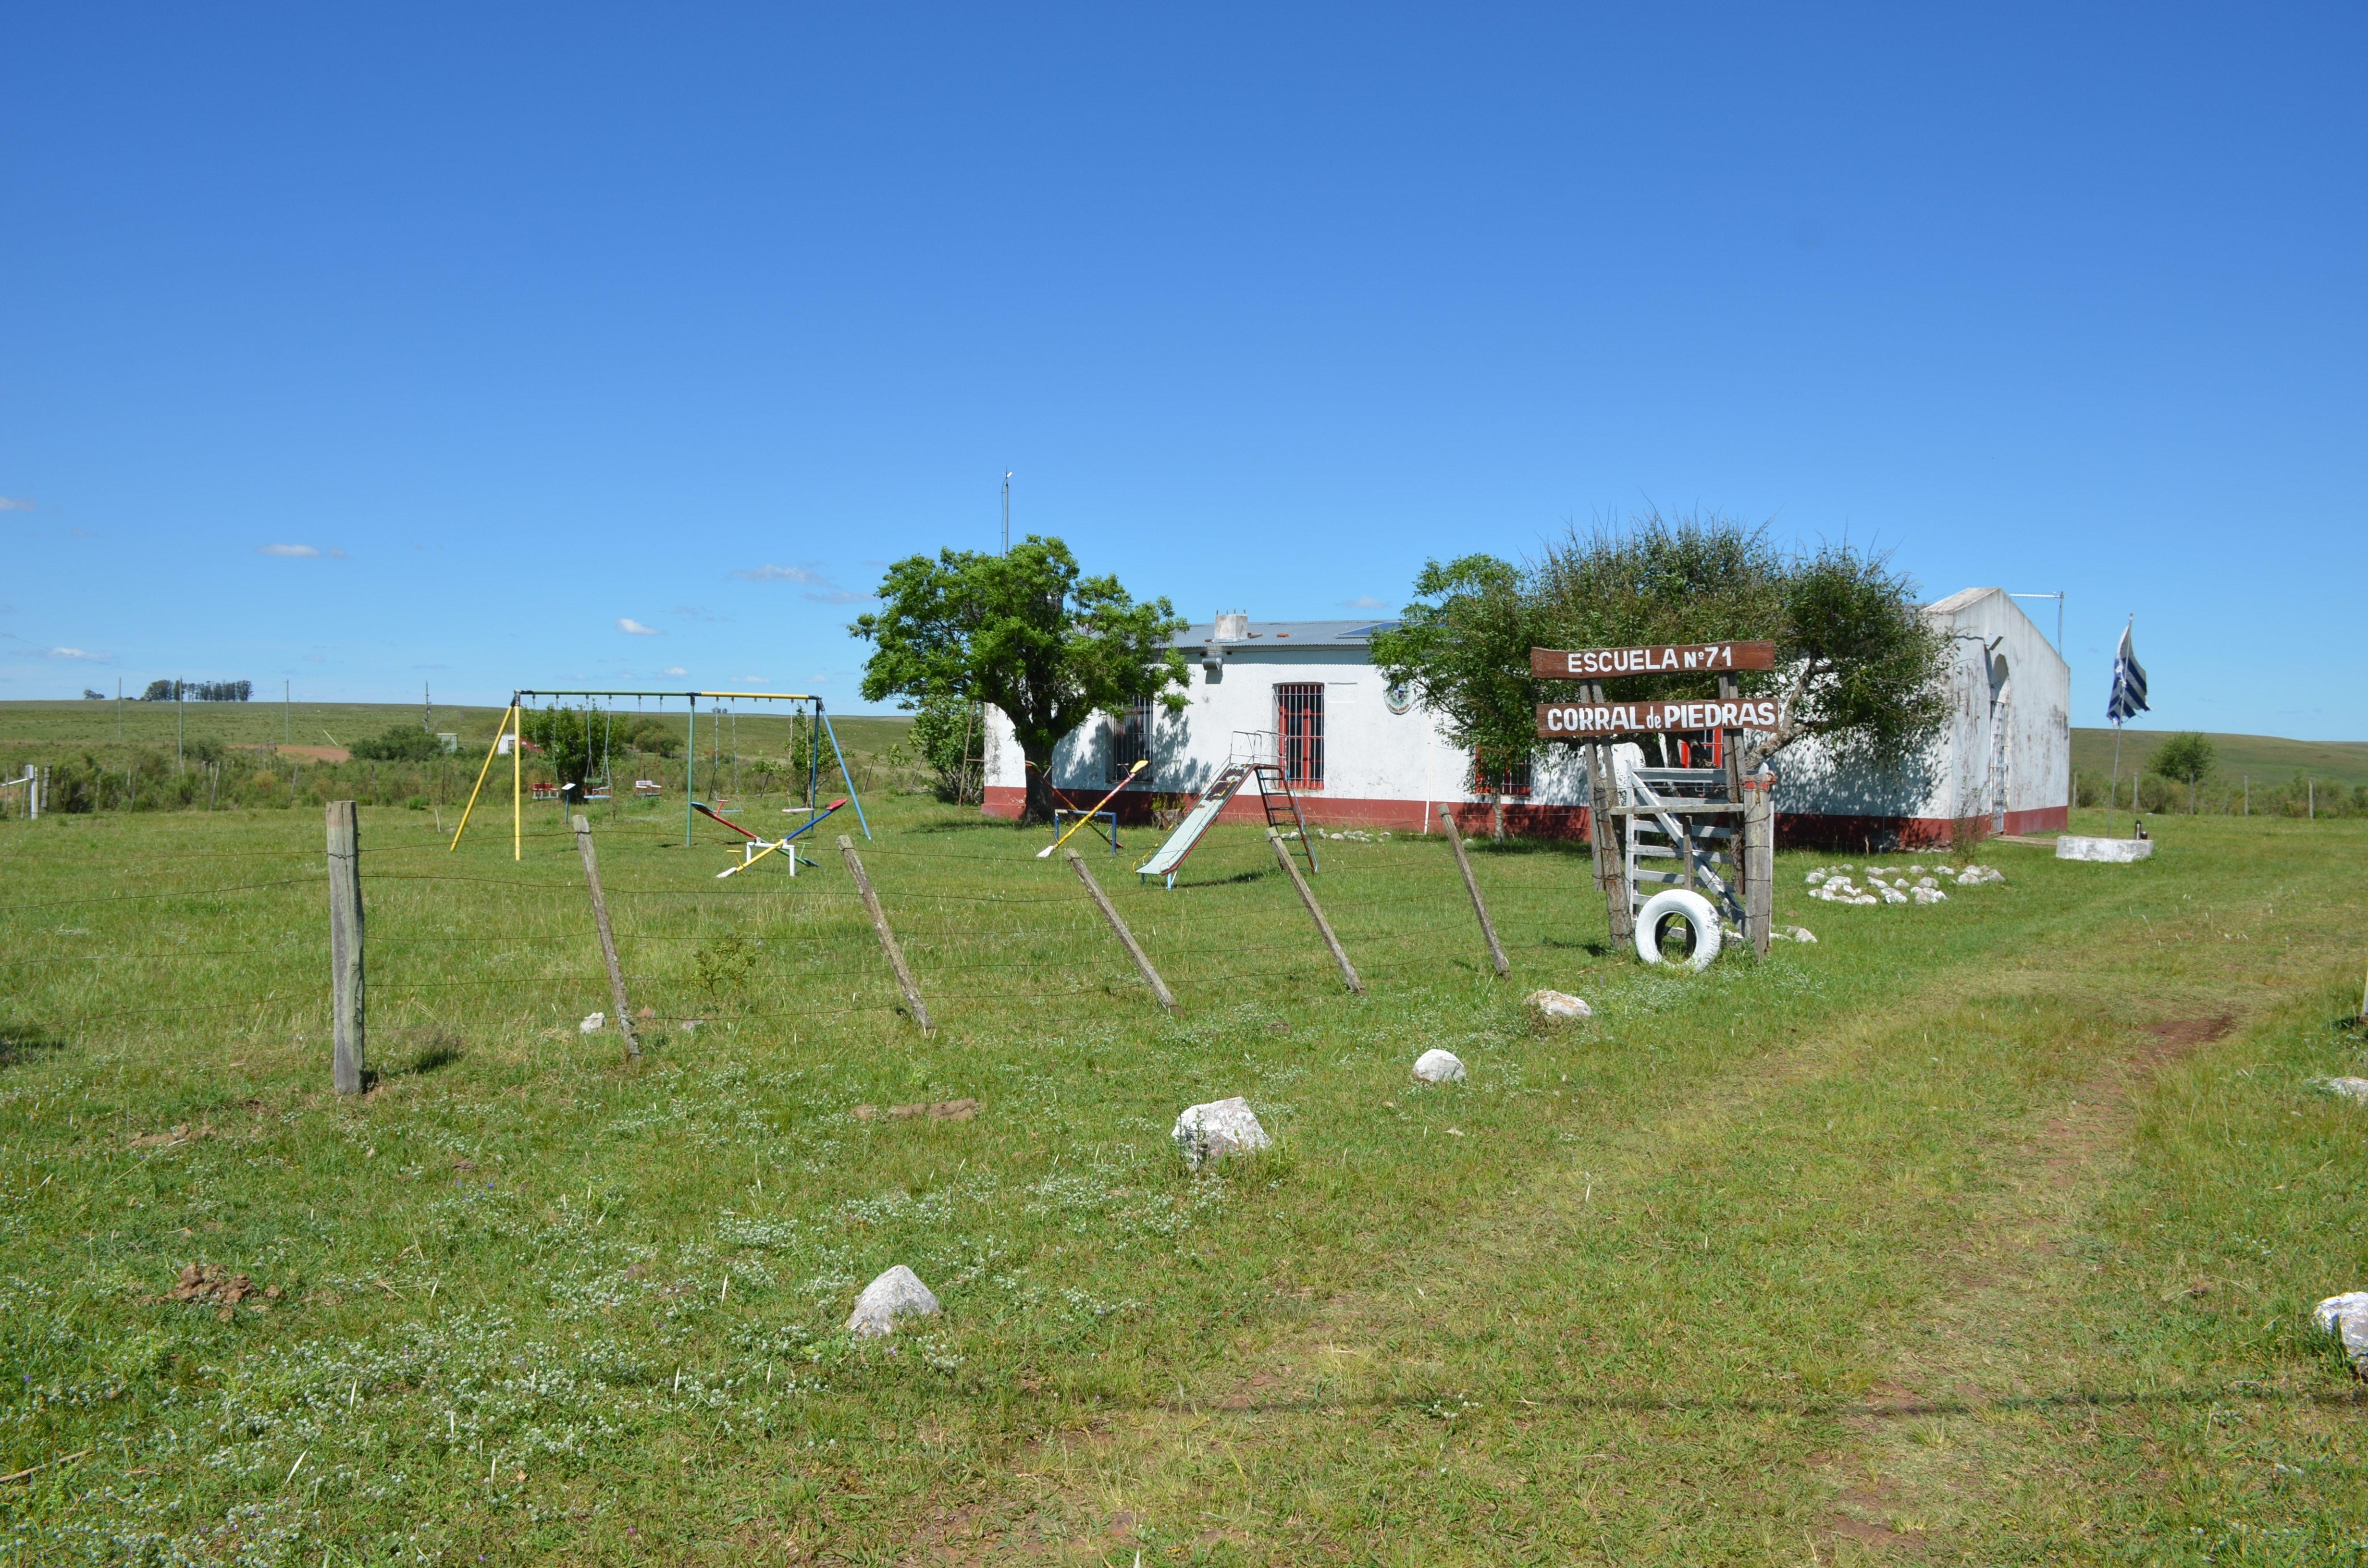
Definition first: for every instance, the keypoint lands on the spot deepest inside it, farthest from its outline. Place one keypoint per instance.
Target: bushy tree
(1856, 662)
(569, 737)
(401, 743)
(1025, 631)
(2188, 757)
(948, 735)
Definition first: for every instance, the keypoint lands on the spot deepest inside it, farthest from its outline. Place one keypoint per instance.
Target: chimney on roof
(1232, 626)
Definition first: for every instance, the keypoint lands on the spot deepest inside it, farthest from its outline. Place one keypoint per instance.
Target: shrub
(401, 743)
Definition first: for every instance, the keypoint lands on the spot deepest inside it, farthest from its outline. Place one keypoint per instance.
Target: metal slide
(1222, 789)
(1273, 784)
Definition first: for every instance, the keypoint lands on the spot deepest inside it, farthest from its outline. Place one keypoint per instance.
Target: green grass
(40, 732)
(1952, 1237)
(2269, 759)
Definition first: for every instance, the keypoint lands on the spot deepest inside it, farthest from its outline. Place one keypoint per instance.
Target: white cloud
(16, 502)
(75, 653)
(627, 624)
(677, 670)
(840, 597)
(779, 574)
(1362, 601)
(292, 551)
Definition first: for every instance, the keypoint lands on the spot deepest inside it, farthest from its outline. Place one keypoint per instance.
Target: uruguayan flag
(2129, 683)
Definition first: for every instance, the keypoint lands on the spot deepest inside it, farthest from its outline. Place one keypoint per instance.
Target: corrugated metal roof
(1267, 634)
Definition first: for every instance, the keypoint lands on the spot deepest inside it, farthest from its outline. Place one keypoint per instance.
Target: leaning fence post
(1125, 938)
(1348, 969)
(887, 937)
(345, 947)
(607, 937)
(1464, 864)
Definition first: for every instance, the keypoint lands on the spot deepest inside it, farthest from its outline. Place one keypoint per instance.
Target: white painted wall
(1369, 752)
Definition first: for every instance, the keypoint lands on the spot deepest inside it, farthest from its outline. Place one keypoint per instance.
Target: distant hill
(2268, 758)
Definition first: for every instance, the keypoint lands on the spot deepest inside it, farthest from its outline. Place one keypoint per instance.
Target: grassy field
(2269, 759)
(36, 732)
(1976, 1234)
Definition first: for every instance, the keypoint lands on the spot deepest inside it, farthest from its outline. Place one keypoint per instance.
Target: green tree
(402, 742)
(1025, 631)
(1857, 664)
(949, 736)
(569, 738)
(2186, 758)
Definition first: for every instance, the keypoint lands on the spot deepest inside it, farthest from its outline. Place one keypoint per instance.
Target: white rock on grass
(1975, 876)
(2346, 1317)
(1800, 934)
(1207, 1133)
(2346, 1088)
(592, 1023)
(1437, 1066)
(1558, 1005)
(898, 1293)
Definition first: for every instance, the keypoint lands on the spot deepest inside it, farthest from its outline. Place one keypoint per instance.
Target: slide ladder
(1282, 808)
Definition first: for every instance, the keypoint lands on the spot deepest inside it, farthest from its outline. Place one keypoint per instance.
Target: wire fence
(497, 941)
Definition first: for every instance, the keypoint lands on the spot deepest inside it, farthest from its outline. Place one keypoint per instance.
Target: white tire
(1682, 904)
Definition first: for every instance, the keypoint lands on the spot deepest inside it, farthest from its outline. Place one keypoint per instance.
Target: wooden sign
(1593, 721)
(1664, 659)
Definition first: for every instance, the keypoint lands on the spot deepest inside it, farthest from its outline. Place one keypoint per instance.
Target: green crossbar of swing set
(691, 746)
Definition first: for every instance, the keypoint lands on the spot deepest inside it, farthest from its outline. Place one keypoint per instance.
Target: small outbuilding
(2003, 762)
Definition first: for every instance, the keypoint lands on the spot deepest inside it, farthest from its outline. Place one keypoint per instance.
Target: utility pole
(1006, 511)
(427, 700)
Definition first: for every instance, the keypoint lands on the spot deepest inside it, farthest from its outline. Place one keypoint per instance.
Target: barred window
(1131, 740)
(1299, 732)
(1492, 778)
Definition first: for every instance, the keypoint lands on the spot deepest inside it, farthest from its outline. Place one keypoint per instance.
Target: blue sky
(453, 344)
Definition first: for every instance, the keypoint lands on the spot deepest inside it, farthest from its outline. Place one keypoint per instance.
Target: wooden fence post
(345, 947)
(1758, 861)
(1125, 938)
(1464, 864)
(1348, 969)
(887, 937)
(607, 937)
(1603, 832)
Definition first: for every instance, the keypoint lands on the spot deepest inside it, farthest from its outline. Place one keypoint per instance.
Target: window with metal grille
(1131, 740)
(1492, 778)
(1299, 732)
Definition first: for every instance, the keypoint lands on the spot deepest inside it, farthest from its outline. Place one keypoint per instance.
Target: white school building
(1359, 753)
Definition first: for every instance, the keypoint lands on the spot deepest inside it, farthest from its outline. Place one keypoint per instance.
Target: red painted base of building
(1794, 830)
(1336, 812)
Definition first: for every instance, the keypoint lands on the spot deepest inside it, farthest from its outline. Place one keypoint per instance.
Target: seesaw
(749, 852)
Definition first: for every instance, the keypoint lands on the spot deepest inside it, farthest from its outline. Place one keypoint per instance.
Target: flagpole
(2113, 795)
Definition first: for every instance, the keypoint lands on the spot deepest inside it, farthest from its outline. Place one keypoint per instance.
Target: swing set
(805, 707)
